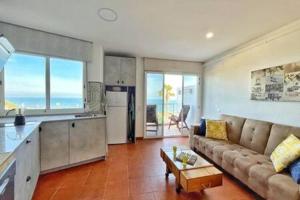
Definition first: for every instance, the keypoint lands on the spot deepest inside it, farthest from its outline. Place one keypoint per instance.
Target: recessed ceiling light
(209, 35)
(107, 14)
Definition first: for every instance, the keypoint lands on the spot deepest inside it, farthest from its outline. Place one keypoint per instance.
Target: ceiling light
(209, 35)
(107, 14)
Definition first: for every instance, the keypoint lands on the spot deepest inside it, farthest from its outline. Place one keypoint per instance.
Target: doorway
(171, 104)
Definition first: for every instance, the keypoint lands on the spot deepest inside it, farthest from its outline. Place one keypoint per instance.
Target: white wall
(95, 67)
(227, 78)
(139, 123)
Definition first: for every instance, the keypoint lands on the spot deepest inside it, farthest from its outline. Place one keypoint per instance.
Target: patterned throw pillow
(285, 153)
(216, 129)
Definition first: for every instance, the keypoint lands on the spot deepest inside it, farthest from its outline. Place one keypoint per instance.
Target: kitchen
(43, 140)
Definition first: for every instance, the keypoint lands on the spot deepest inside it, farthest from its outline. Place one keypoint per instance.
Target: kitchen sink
(85, 115)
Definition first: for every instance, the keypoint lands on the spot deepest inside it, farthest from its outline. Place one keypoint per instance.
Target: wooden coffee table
(191, 178)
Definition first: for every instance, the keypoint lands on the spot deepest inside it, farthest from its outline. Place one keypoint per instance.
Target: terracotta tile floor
(132, 171)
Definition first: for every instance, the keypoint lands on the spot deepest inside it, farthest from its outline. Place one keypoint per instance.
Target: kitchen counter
(12, 136)
(52, 118)
(10, 139)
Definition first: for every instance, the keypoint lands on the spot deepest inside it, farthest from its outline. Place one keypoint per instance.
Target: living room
(149, 100)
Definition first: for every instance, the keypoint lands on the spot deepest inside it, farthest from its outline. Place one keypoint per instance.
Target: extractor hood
(6, 49)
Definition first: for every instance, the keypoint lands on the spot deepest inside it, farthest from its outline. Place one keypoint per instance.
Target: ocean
(172, 106)
(40, 102)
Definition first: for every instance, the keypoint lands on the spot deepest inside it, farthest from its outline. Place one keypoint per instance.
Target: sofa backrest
(234, 127)
(278, 134)
(255, 135)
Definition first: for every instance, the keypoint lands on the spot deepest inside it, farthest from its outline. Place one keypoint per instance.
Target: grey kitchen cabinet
(27, 167)
(87, 139)
(54, 144)
(112, 70)
(65, 143)
(119, 71)
(128, 71)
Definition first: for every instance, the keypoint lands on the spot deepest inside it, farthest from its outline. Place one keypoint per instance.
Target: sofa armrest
(193, 130)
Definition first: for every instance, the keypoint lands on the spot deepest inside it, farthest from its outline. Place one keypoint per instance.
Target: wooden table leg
(168, 171)
(202, 192)
(178, 186)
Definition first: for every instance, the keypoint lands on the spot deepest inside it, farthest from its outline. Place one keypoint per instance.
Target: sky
(25, 77)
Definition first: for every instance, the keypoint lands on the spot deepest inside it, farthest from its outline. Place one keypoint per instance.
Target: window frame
(47, 110)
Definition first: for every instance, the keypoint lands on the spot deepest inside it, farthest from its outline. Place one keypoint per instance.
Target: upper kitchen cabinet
(119, 71)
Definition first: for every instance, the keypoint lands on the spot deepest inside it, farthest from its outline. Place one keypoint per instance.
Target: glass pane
(24, 82)
(190, 102)
(66, 84)
(173, 103)
(154, 107)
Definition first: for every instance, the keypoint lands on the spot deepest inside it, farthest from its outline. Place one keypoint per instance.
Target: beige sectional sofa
(247, 155)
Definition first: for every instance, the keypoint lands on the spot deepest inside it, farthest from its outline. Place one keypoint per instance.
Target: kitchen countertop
(12, 136)
(10, 139)
(50, 118)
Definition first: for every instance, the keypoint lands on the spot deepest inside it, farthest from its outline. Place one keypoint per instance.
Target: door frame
(199, 96)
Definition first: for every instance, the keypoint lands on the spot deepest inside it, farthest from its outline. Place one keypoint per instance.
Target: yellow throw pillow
(216, 129)
(285, 153)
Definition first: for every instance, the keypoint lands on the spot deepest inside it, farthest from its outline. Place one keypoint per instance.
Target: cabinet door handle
(28, 178)
(73, 124)
(28, 141)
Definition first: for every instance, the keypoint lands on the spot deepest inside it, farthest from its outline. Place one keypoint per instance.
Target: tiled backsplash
(95, 97)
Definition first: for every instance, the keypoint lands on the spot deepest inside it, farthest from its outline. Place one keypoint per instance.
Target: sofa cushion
(282, 186)
(230, 156)
(255, 135)
(220, 149)
(259, 175)
(243, 158)
(286, 153)
(278, 134)
(210, 145)
(261, 171)
(234, 127)
(200, 141)
(246, 159)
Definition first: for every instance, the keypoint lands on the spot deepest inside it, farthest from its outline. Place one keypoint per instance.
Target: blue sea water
(40, 102)
(172, 106)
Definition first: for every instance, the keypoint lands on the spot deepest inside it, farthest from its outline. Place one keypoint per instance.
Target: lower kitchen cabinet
(87, 140)
(54, 144)
(27, 167)
(66, 143)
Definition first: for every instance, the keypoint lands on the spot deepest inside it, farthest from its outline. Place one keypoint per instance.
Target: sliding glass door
(171, 104)
(154, 105)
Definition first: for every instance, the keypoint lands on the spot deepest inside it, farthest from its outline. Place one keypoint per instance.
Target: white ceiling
(171, 29)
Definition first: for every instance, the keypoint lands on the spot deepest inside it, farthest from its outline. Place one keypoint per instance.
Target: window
(24, 82)
(66, 81)
(43, 84)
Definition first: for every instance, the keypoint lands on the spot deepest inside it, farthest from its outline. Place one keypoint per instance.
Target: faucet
(7, 112)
